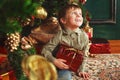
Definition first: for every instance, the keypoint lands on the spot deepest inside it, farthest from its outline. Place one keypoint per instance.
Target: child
(37, 67)
(70, 19)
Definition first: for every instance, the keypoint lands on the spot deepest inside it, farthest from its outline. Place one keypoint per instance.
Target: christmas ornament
(27, 21)
(12, 42)
(36, 65)
(88, 30)
(83, 1)
(25, 43)
(40, 12)
(88, 16)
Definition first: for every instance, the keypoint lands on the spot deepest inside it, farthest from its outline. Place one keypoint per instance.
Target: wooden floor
(114, 46)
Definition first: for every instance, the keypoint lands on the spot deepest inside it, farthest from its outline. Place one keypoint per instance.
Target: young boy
(70, 19)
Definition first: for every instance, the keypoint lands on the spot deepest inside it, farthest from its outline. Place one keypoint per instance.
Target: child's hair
(37, 67)
(62, 13)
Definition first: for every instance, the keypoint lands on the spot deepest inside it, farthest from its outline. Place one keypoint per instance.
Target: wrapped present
(2, 59)
(8, 76)
(100, 48)
(38, 48)
(4, 64)
(72, 56)
(99, 45)
(3, 50)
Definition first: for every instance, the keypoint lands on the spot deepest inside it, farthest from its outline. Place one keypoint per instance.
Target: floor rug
(102, 67)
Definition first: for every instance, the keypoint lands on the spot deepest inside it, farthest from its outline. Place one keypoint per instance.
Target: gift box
(72, 56)
(8, 76)
(4, 64)
(38, 48)
(99, 45)
(100, 48)
(3, 50)
(6, 72)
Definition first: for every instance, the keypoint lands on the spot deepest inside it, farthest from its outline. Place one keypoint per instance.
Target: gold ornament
(25, 43)
(12, 41)
(40, 12)
(88, 30)
(37, 67)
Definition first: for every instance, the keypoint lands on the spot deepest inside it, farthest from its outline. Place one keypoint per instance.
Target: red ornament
(87, 16)
(82, 1)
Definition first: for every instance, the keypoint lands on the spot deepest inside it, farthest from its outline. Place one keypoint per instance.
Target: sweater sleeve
(50, 46)
(86, 53)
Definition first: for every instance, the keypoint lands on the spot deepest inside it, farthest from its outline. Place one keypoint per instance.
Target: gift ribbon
(4, 76)
(75, 50)
(73, 56)
(8, 76)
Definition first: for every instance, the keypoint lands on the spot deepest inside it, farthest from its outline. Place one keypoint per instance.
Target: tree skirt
(102, 67)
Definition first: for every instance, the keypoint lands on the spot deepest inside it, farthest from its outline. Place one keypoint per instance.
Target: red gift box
(4, 64)
(100, 48)
(73, 57)
(8, 76)
(3, 50)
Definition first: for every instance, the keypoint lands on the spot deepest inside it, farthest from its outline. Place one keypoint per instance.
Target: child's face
(73, 18)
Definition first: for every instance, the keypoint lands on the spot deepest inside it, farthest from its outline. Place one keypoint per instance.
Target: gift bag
(73, 57)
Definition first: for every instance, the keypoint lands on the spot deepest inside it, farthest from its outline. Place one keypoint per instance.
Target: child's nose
(78, 15)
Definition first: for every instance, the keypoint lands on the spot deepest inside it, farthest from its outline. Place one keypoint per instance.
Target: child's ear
(63, 20)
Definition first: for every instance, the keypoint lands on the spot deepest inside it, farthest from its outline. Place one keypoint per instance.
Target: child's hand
(85, 75)
(60, 63)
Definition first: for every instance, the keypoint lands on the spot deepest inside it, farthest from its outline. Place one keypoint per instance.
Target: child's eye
(80, 13)
(72, 12)
(75, 13)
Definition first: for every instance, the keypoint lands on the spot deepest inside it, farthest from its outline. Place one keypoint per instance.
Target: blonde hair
(37, 67)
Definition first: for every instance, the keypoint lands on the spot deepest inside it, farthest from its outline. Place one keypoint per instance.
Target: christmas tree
(18, 15)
